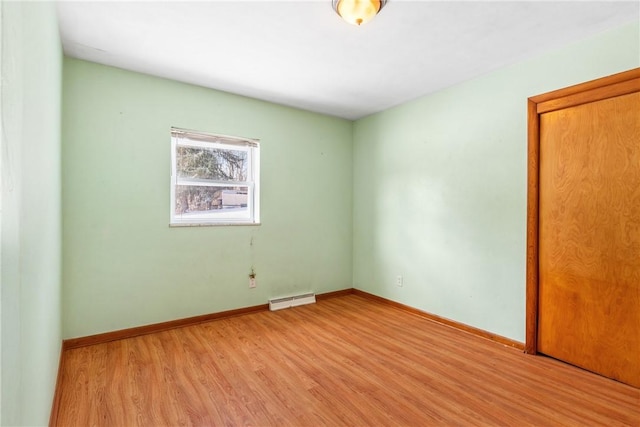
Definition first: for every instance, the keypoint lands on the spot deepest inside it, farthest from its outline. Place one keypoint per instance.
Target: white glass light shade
(358, 12)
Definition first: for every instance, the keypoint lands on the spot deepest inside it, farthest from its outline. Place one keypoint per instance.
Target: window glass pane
(200, 202)
(211, 163)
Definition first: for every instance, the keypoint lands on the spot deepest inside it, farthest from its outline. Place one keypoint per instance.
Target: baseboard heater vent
(287, 302)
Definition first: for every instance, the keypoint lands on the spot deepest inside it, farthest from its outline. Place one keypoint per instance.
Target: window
(214, 179)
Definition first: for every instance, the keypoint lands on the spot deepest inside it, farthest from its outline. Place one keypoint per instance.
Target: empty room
(320, 213)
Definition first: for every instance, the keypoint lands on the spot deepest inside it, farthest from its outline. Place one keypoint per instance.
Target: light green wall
(31, 214)
(440, 187)
(124, 267)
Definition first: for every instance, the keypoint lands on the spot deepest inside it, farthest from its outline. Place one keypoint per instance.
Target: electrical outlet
(252, 282)
(399, 281)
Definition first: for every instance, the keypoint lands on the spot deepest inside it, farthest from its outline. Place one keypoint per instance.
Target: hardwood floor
(342, 361)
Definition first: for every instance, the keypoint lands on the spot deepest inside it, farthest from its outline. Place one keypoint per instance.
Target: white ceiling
(301, 54)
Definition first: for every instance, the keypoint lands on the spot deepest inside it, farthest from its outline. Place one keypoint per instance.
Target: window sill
(213, 224)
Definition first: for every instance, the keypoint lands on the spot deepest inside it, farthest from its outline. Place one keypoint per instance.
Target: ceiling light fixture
(358, 12)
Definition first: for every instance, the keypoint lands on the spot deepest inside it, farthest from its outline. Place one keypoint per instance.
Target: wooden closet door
(589, 236)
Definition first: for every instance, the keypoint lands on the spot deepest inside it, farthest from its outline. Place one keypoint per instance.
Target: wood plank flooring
(343, 361)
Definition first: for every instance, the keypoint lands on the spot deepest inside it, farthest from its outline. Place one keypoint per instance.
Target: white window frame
(190, 138)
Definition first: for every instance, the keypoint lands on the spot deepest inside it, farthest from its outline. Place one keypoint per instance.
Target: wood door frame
(594, 90)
